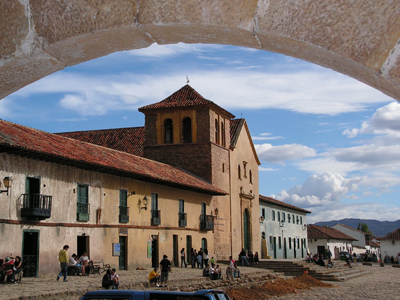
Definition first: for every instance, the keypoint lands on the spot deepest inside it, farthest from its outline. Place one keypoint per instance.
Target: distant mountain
(378, 228)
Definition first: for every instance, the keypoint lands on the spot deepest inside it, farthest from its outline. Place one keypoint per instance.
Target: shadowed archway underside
(358, 38)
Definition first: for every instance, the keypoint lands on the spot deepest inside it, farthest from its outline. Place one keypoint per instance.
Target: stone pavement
(46, 287)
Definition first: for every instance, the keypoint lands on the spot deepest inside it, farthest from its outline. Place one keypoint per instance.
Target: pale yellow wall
(243, 152)
(177, 117)
(62, 228)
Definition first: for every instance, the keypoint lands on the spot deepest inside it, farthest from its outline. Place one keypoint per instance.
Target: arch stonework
(358, 38)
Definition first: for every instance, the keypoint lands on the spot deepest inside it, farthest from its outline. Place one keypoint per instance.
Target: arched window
(216, 132)
(168, 131)
(187, 130)
(223, 142)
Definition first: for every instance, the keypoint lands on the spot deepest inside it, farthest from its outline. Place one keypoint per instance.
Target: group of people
(391, 259)
(248, 259)
(73, 264)
(165, 267)
(110, 279)
(10, 267)
(198, 259)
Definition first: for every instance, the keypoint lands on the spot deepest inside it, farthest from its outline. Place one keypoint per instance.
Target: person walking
(193, 256)
(183, 258)
(63, 259)
(165, 267)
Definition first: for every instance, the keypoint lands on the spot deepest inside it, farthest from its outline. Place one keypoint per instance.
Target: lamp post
(7, 183)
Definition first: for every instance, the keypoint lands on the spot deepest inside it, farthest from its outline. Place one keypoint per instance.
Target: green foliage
(364, 228)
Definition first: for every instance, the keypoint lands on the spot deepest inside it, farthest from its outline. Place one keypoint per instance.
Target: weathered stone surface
(358, 38)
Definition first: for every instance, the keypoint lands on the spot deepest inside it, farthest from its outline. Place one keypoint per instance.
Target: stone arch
(357, 38)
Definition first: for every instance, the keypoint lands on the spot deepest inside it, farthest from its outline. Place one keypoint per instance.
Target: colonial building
(362, 241)
(390, 244)
(188, 179)
(283, 229)
(322, 239)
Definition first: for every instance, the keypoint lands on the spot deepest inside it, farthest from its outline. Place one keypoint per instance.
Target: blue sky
(327, 143)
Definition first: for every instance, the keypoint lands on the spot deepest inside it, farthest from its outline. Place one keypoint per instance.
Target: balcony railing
(123, 214)
(206, 222)
(36, 206)
(155, 217)
(82, 211)
(182, 219)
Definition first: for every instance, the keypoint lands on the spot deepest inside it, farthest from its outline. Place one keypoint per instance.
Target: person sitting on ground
(218, 271)
(114, 279)
(251, 257)
(243, 257)
(73, 266)
(212, 260)
(206, 271)
(17, 270)
(106, 281)
(256, 258)
(154, 277)
(321, 261)
(330, 264)
(236, 272)
(212, 272)
(84, 262)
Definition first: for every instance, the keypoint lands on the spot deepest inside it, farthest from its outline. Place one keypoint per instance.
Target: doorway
(189, 249)
(155, 263)
(294, 246)
(30, 253)
(123, 253)
(175, 259)
(321, 251)
(274, 245)
(246, 231)
(83, 245)
(302, 248)
(284, 248)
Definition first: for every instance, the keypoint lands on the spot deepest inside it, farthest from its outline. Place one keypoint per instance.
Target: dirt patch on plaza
(275, 287)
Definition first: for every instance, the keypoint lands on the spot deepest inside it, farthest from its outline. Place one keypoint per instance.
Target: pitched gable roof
(318, 232)
(130, 140)
(365, 233)
(282, 204)
(184, 97)
(394, 235)
(24, 141)
(236, 127)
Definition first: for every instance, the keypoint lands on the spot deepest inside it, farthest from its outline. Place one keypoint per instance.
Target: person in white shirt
(84, 261)
(114, 279)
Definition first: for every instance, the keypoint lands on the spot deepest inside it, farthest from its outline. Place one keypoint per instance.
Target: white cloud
(324, 189)
(262, 169)
(309, 89)
(280, 154)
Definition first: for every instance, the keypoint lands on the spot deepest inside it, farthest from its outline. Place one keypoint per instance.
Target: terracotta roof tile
(395, 235)
(283, 204)
(130, 140)
(25, 141)
(184, 97)
(318, 232)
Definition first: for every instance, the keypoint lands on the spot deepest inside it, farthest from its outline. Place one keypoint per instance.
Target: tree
(364, 228)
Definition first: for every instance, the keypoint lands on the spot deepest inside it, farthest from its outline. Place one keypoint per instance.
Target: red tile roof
(21, 140)
(184, 97)
(318, 232)
(353, 229)
(130, 140)
(283, 204)
(395, 235)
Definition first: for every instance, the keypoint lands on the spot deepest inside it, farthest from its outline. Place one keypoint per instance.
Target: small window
(279, 216)
(154, 201)
(181, 205)
(301, 220)
(203, 209)
(239, 172)
(280, 242)
(223, 168)
(283, 217)
(250, 177)
(294, 220)
(273, 215)
(288, 216)
(245, 169)
(168, 131)
(263, 213)
(297, 220)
